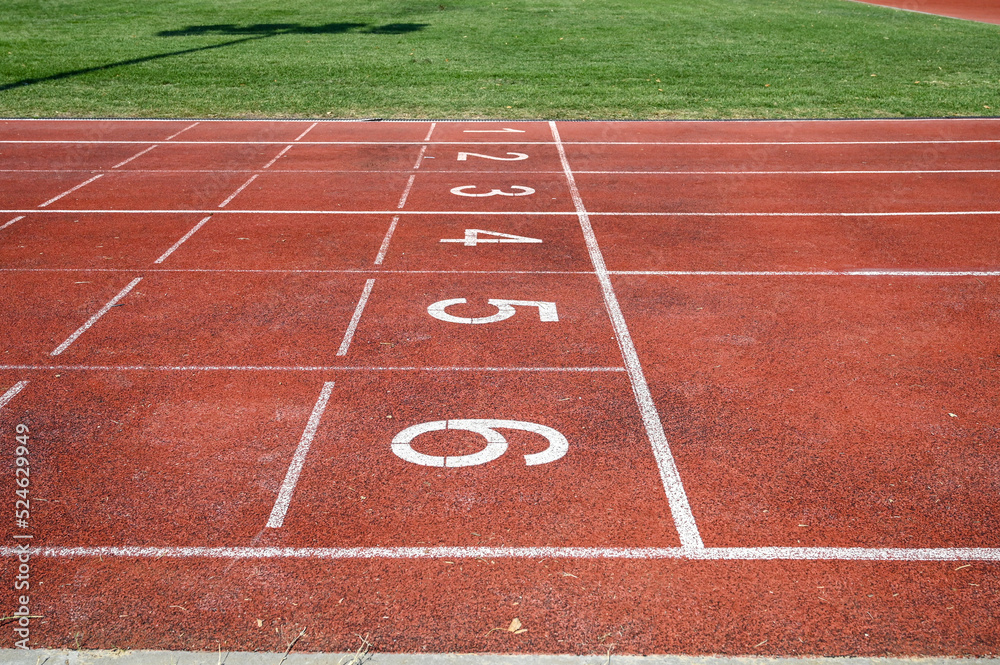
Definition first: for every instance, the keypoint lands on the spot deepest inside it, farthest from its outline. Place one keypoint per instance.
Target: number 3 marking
(496, 444)
(524, 191)
(518, 156)
(505, 310)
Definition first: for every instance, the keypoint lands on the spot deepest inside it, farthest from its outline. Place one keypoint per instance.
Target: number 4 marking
(472, 238)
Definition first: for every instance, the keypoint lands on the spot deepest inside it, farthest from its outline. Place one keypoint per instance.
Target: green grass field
(483, 59)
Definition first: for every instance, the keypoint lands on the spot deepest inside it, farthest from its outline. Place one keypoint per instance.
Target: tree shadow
(252, 32)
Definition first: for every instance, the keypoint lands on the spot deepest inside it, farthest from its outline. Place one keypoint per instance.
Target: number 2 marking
(472, 238)
(524, 191)
(518, 156)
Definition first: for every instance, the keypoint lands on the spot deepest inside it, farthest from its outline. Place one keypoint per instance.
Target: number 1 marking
(472, 238)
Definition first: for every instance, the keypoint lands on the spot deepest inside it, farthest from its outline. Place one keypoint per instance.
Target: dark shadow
(252, 32)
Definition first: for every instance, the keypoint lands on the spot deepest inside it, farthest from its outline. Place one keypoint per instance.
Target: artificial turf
(504, 59)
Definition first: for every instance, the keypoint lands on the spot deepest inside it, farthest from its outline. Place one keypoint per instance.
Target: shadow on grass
(252, 33)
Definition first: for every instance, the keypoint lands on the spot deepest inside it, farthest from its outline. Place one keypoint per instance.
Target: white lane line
(420, 157)
(92, 320)
(518, 142)
(71, 190)
(308, 129)
(12, 393)
(276, 157)
(356, 318)
(172, 136)
(684, 520)
(536, 213)
(386, 240)
(779, 172)
(182, 240)
(138, 154)
(945, 554)
(16, 219)
(327, 368)
(318, 271)
(430, 131)
(241, 188)
(814, 273)
(406, 192)
(277, 517)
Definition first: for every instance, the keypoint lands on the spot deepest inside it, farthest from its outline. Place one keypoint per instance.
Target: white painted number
(505, 310)
(496, 444)
(518, 156)
(472, 238)
(524, 191)
(505, 130)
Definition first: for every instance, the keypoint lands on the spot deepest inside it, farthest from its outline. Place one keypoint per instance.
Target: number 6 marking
(505, 310)
(496, 444)
(524, 191)
(518, 156)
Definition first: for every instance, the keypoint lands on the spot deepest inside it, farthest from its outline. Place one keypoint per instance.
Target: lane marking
(319, 271)
(16, 219)
(496, 443)
(182, 240)
(171, 137)
(684, 520)
(92, 320)
(522, 191)
(947, 554)
(386, 240)
(505, 310)
(276, 157)
(815, 273)
(898, 172)
(505, 130)
(138, 154)
(472, 238)
(277, 517)
(308, 129)
(356, 318)
(325, 368)
(513, 142)
(12, 393)
(241, 188)
(406, 192)
(71, 190)
(430, 131)
(513, 171)
(420, 157)
(540, 213)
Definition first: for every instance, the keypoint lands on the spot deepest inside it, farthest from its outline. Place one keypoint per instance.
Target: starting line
(643, 553)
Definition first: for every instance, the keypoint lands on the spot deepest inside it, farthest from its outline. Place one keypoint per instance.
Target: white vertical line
(430, 131)
(241, 188)
(12, 393)
(104, 310)
(277, 157)
(138, 154)
(71, 190)
(406, 192)
(687, 529)
(356, 318)
(180, 132)
(420, 157)
(182, 240)
(303, 134)
(385, 241)
(16, 219)
(277, 517)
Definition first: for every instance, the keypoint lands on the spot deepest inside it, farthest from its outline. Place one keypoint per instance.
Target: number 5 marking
(518, 156)
(496, 444)
(524, 191)
(505, 310)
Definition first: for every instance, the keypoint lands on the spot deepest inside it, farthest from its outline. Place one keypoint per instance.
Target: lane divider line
(172, 136)
(515, 142)
(240, 189)
(12, 393)
(138, 154)
(535, 213)
(406, 192)
(420, 157)
(947, 554)
(684, 520)
(277, 157)
(356, 318)
(280, 509)
(182, 240)
(92, 320)
(270, 368)
(386, 240)
(318, 271)
(16, 219)
(814, 273)
(308, 129)
(429, 132)
(71, 190)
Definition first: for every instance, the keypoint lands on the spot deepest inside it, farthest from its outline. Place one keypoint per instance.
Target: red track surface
(770, 348)
(987, 11)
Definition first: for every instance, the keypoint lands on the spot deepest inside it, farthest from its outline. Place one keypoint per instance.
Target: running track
(735, 391)
(985, 11)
